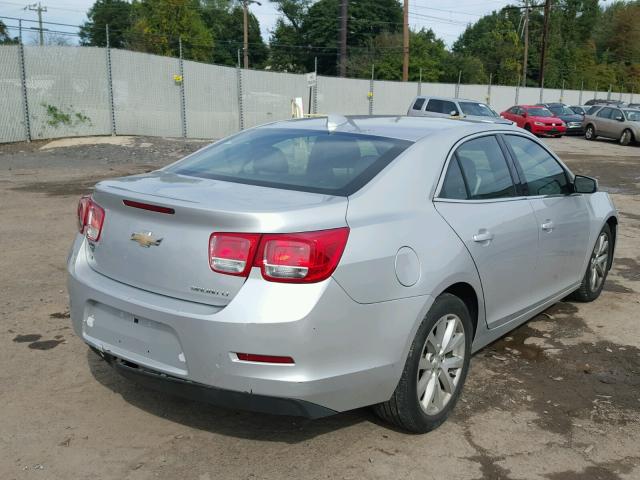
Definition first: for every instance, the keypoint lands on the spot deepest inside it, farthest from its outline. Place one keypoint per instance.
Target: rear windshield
(478, 109)
(334, 163)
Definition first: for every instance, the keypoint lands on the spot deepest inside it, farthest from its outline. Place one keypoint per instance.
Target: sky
(447, 18)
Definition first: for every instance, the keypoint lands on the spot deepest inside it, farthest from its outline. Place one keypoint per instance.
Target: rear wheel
(590, 133)
(597, 269)
(435, 370)
(626, 138)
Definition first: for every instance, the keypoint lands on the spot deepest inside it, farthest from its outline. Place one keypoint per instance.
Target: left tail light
(90, 218)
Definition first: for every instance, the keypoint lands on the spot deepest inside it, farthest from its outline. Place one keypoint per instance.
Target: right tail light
(305, 257)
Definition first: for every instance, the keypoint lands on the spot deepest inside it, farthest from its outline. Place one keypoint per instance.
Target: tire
(590, 133)
(588, 290)
(404, 409)
(626, 138)
(527, 127)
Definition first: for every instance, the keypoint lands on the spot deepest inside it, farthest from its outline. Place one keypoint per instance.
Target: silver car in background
(445, 107)
(617, 123)
(314, 266)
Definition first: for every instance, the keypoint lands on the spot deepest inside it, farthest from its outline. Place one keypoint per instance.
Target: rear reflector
(252, 357)
(90, 218)
(148, 206)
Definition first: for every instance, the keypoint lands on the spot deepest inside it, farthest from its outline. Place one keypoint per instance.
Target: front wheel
(435, 370)
(626, 138)
(590, 133)
(597, 269)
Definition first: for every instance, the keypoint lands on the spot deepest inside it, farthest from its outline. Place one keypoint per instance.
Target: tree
(225, 23)
(4, 35)
(115, 13)
(159, 24)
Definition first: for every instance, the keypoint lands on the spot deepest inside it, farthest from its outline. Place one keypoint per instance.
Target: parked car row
(596, 118)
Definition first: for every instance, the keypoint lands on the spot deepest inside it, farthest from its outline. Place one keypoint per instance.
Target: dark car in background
(572, 119)
(604, 101)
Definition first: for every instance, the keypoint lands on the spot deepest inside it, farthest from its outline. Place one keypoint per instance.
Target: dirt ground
(558, 399)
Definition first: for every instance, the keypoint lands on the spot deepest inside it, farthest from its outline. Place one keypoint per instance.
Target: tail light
(305, 257)
(232, 253)
(90, 218)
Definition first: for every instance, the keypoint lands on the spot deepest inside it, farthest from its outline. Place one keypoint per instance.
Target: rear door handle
(547, 226)
(483, 236)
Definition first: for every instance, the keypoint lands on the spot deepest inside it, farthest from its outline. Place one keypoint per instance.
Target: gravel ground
(558, 398)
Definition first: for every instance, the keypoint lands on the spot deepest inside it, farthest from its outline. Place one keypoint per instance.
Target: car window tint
(605, 113)
(419, 103)
(485, 169)
(616, 114)
(441, 106)
(543, 175)
(337, 163)
(593, 109)
(453, 186)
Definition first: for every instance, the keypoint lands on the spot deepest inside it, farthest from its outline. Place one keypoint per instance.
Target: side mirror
(454, 113)
(620, 118)
(583, 184)
(524, 114)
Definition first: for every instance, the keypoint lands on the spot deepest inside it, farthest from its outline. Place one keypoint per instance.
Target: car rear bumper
(347, 355)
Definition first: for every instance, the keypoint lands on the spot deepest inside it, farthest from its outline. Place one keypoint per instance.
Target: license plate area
(138, 339)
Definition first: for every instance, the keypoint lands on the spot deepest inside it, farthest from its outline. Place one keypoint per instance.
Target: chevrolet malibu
(314, 266)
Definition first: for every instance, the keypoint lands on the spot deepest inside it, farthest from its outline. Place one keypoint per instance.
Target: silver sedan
(315, 266)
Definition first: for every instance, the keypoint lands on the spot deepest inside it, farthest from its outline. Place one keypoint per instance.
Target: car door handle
(483, 236)
(547, 226)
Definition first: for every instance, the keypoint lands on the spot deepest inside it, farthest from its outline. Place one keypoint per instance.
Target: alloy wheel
(441, 361)
(589, 133)
(599, 261)
(625, 139)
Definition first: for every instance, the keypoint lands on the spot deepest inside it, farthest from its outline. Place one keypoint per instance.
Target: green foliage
(116, 14)
(159, 24)
(57, 116)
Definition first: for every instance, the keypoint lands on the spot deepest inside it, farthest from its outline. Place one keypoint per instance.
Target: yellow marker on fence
(177, 79)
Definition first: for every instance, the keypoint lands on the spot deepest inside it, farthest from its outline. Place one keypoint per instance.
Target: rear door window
(334, 163)
(454, 186)
(441, 106)
(484, 169)
(605, 113)
(542, 173)
(419, 104)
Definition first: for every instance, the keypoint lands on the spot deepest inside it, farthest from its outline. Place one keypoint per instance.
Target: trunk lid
(168, 253)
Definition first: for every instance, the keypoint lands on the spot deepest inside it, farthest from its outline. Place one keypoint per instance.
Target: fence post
(420, 83)
(239, 91)
(620, 93)
(112, 110)
(609, 93)
(631, 97)
(315, 87)
(458, 84)
(562, 92)
(371, 90)
(517, 99)
(489, 89)
(581, 89)
(23, 80)
(541, 91)
(183, 106)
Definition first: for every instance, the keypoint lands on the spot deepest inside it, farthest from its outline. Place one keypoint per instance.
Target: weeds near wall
(57, 117)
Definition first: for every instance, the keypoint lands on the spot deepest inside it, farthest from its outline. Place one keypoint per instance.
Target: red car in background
(538, 120)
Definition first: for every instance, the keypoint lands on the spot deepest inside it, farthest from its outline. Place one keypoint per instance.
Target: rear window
(315, 161)
(539, 112)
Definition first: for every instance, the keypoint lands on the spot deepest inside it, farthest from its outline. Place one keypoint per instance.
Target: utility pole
(342, 56)
(525, 60)
(545, 39)
(37, 7)
(245, 19)
(405, 42)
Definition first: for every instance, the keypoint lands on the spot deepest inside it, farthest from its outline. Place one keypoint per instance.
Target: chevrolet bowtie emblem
(145, 239)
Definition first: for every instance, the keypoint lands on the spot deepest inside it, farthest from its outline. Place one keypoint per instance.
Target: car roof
(529, 106)
(398, 127)
(450, 99)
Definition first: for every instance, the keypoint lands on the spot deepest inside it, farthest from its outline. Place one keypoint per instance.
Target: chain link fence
(53, 91)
